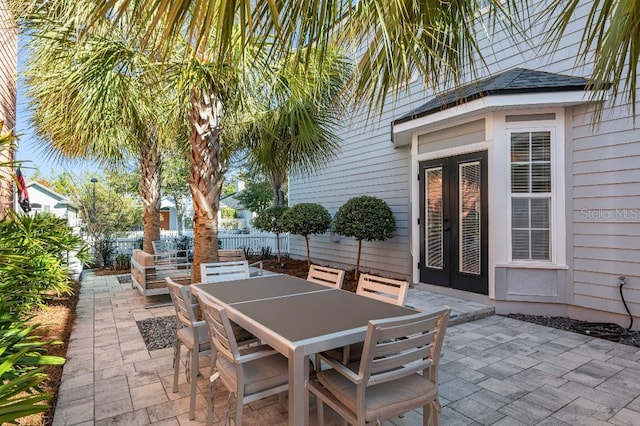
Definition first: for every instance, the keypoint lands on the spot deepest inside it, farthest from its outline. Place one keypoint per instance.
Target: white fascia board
(401, 133)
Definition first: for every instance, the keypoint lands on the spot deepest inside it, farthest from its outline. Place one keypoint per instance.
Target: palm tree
(396, 39)
(611, 35)
(97, 96)
(208, 88)
(292, 130)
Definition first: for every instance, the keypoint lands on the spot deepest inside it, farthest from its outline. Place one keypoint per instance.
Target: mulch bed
(611, 332)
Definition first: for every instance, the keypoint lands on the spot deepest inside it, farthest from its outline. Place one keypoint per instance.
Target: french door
(453, 222)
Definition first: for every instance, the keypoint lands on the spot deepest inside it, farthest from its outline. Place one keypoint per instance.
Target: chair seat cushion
(259, 374)
(383, 400)
(185, 335)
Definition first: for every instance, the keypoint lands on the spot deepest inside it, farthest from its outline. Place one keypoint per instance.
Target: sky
(31, 150)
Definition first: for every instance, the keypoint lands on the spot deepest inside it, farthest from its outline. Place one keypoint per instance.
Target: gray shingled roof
(513, 81)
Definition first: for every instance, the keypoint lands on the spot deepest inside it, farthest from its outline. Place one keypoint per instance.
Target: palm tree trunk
(150, 180)
(205, 178)
(277, 182)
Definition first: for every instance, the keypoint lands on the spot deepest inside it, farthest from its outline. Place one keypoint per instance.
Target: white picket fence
(254, 241)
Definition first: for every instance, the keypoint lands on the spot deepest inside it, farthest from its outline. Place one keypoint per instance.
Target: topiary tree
(305, 219)
(270, 220)
(364, 218)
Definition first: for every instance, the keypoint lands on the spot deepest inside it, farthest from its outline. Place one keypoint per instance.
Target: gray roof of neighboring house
(513, 81)
(231, 201)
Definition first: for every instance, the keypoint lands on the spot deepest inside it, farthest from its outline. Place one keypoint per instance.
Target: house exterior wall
(8, 70)
(600, 229)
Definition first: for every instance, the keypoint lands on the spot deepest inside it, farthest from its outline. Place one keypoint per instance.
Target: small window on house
(46, 208)
(531, 196)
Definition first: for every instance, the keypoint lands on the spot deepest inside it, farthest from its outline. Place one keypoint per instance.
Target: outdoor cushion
(382, 400)
(260, 374)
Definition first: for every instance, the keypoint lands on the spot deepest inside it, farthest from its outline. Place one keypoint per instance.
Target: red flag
(23, 195)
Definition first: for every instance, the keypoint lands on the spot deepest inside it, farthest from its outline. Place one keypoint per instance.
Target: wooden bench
(148, 273)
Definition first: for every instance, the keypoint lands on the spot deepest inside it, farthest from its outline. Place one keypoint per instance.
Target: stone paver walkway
(494, 371)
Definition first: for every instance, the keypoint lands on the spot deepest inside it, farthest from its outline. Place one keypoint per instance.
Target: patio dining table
(298, 318)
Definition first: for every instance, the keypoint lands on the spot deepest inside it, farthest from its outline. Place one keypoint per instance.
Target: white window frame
(557, 226)
(531, 195)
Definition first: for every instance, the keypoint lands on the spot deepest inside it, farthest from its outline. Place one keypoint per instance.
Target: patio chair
(224, 271)
(324, 275)
(163, 254)
(236, 255)
(379, 288)
(249, 372)
(192, 334)
(397, 373)
(384, 289)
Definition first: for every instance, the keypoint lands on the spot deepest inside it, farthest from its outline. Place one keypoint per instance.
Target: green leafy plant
(306, 219)
(122, 262)
(33, 258)
(21, 372)
(364, 218)
(248, 252)
(270, 220)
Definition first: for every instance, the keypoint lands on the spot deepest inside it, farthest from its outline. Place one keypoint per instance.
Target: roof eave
(403, 129)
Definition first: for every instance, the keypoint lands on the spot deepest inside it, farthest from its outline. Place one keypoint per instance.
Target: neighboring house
(46, 200)
(502, 190)
(8, 87)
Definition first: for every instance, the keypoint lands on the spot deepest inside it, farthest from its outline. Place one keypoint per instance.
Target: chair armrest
(259, 263)
(347, 372)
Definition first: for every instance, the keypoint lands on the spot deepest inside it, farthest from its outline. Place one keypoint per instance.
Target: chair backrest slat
(326, 276)
(398, 347)
(183, 302)
(231, 255)
(220, 330)
(384, 289)
(224, 271)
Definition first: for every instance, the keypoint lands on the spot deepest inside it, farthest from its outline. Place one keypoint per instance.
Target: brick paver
(494, 371)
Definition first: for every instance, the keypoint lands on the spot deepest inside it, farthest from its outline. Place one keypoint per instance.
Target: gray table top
(257, 288)
(298, 310)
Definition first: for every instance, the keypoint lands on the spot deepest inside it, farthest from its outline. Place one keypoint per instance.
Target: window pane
(541, 146)
(434, 224)
(540, 245)
(520, 178)
(469, 201)
(520, 213)
(519, 147)
(541, 177)
(520, 245)
(540, 213)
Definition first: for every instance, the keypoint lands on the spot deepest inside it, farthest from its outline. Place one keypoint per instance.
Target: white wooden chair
(224, 271)
(249, 372)
(236, 255)
(192, 334)
(163, 254)
(384, 289)
(398, 372)
(379, 288)
(324, 275)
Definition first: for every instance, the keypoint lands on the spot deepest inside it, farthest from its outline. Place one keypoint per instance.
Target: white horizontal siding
(603, 172)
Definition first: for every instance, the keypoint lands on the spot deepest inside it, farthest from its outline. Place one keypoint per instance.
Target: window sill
(532, 265)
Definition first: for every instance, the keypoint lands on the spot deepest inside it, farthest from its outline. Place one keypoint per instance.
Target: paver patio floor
(494, 371)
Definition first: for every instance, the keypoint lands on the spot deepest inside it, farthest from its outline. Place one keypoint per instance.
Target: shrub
(21, 372)
(270, 220)
(33, 258)
(306, 219)
(122, 262)
(364, 218)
